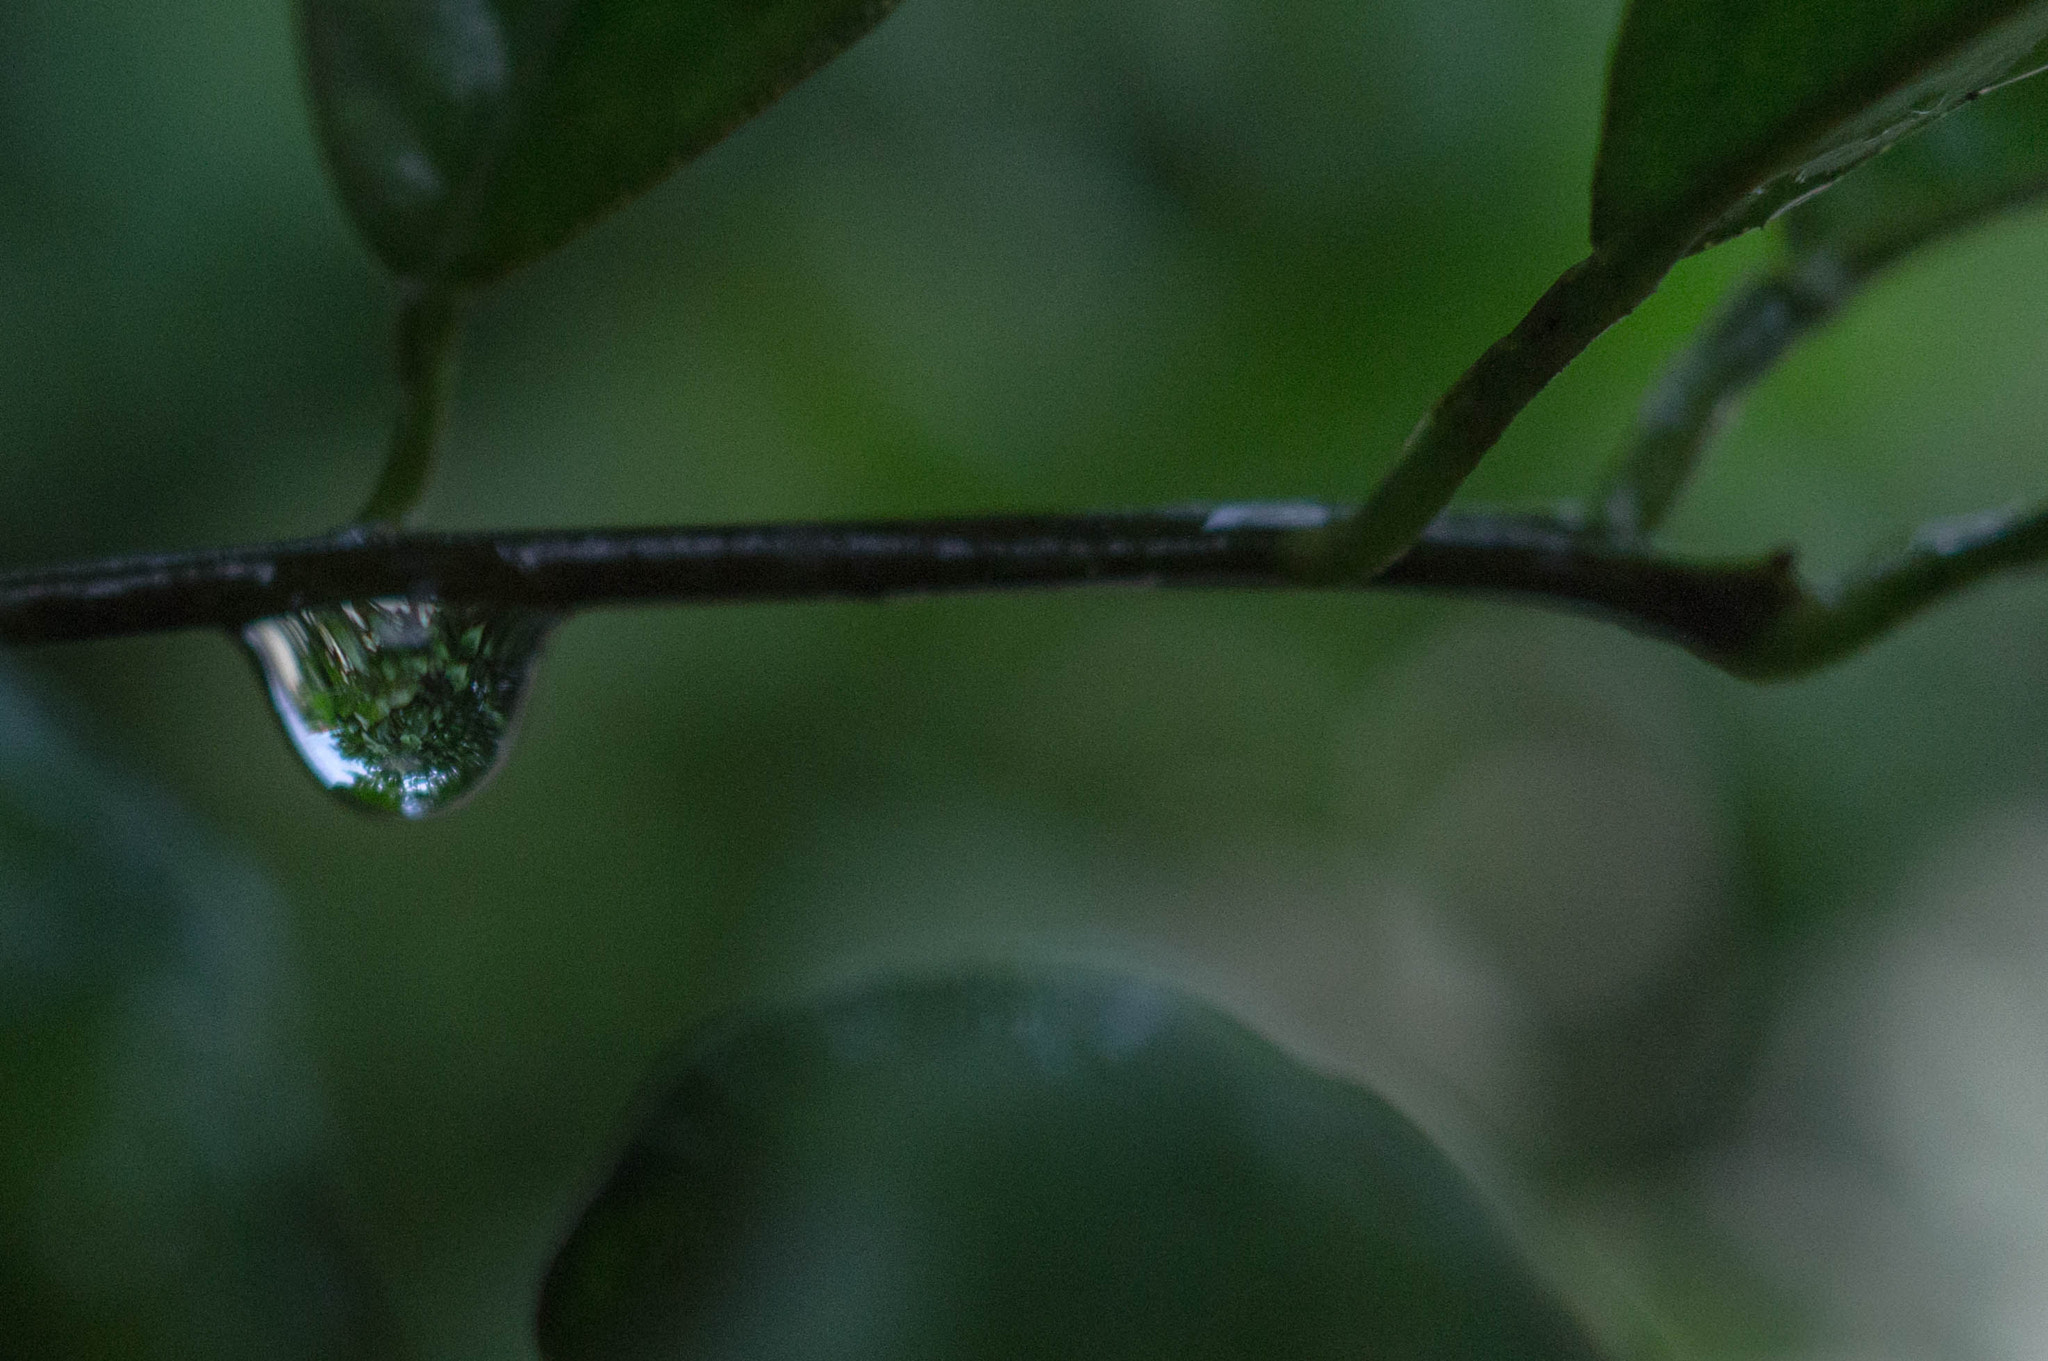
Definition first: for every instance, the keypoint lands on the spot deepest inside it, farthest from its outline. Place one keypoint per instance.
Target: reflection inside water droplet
(400, 705)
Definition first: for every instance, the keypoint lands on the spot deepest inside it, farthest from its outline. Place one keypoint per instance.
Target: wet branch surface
(1754, 617)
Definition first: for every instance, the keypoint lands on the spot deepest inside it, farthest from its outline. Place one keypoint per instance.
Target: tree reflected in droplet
(400, 705)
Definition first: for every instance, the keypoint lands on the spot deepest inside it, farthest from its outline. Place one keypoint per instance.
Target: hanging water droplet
(399, 704)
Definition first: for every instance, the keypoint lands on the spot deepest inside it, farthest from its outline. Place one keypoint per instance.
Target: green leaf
(161, 1146)
(1721, 113)
(470, 136)
(1005, 1165)
(1987, 158)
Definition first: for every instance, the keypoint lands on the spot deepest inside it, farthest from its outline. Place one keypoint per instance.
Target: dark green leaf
(1053, 1165)
(1989, 157)
(470, 136)
(1720, 113)
(82, 898)
(160, 1187)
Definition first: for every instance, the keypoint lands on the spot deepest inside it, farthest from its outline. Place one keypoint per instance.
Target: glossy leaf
(1986, 158)
(1002, 1165)
(1721, 113)
(470, 136)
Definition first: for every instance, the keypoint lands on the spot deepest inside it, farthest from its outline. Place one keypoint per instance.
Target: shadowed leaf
(470, 136)
(161, 1183)
(1721, 113)
(1010, 1165)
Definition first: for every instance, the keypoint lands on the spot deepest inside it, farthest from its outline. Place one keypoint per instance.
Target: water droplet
(401, 705)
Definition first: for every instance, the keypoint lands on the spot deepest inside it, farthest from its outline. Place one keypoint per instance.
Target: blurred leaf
(1986, 158)
(1720, 113)
(159, 1189)
(470, 136)
(1009, 1165)
(82, 902)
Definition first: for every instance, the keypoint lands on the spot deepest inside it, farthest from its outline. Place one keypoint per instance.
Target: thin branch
(1754, 618)
(1716, 610)
(1701, 387)
(1942, 560)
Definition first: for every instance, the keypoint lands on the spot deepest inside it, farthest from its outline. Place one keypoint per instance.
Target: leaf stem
(1471, 417)
(428, 326)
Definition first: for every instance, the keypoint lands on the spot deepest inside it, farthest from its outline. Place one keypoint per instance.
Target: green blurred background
(1733, 992)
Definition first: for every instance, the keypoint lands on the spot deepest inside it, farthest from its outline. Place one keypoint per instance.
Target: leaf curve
(1985, 159)
(468, 137)
(1006, 1164)
(1722, 113)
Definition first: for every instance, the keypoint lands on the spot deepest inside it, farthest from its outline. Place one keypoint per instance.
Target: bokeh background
(1733, 993)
